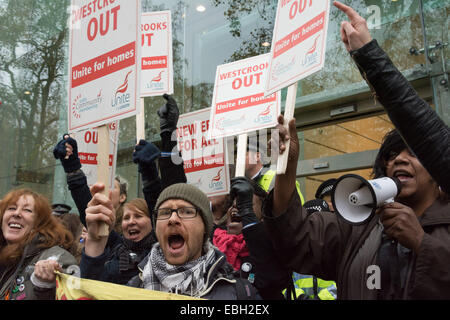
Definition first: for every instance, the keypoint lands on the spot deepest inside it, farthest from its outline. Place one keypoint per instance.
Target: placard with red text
(87, 141)
(298, 42)
(156, 51)
(205, 160)
(104, 47)
(239, 105)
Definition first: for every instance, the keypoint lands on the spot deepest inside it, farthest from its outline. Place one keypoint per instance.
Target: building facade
(340, 125)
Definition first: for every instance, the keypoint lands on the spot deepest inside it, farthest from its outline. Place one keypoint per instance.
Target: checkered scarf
(188, 279)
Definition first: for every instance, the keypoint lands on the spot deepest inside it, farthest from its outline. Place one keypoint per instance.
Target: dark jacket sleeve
(81, 194)
(421, 128)
(307, 243)
(271, 278)
(94, 267)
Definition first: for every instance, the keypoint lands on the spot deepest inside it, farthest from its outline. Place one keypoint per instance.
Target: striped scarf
(188, 279)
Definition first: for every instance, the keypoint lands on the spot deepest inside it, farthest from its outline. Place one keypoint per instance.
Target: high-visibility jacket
(266, 181)
(312, 287)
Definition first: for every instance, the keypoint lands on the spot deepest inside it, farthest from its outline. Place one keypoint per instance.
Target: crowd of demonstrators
(408, 238)
(32, 243)
(260, 241)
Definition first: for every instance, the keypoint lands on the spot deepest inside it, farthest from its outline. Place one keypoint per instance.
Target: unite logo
(121, 98)
(156, 83)
(158, 77)
(265, 116)
(215, 183)
(311, 55)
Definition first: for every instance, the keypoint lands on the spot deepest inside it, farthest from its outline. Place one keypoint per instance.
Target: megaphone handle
(390, 200)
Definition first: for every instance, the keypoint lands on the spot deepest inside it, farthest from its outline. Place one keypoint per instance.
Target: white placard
(205, 160)
(239, 105)
(104, 48)
(87, 142)
(298, 42)
(157, 58)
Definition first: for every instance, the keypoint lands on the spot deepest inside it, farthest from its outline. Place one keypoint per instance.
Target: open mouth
(15, 226)
(176, 241)
(134, 233)
(402, 175)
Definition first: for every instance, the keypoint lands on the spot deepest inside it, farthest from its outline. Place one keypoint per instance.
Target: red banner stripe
(203, 163)
(244, 102)
(103, 65)
(299, 35)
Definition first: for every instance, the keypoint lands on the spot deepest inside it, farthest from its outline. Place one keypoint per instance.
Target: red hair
(51, 230)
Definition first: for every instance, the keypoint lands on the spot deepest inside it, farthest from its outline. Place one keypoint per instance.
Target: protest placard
(298, 42)
(205, 159)
(87, 142)
(238, 104)
(156, 54)
(103, 68)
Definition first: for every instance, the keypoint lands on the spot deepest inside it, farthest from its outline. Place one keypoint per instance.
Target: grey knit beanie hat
(192, 195)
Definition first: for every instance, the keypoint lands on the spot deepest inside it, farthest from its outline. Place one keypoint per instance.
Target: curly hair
(392, 146)
(51, 231)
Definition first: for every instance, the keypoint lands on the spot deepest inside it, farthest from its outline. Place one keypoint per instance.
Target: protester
(230, 240)
(263, 175)
(424, 132)
(408, 239)
(145, 154)
(184, 261)
(117, 262)
(31, 247)
(219, 208)
(120, 198)
(269, 277)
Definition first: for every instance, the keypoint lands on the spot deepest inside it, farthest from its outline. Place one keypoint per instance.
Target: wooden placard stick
(241, 153)
(288, 115)
(103, 168)
(140, 123)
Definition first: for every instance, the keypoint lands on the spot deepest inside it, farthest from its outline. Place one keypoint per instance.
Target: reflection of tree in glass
(252, 45)
(32, 35)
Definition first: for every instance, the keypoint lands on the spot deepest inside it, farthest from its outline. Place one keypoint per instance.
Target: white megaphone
(355, 199)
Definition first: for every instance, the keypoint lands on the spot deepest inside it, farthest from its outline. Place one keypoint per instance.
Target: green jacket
(15, 282)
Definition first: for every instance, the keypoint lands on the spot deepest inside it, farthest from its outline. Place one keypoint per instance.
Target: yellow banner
(74, 288)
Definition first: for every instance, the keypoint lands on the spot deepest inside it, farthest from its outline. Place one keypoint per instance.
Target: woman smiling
(31, 247)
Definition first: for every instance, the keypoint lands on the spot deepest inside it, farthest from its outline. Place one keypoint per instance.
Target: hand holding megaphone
(356, 199)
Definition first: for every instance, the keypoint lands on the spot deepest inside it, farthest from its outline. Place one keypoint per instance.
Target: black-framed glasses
(182, 213)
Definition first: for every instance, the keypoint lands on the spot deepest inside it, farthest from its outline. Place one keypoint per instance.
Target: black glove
(242, 190)
(168, 115)
(72, 163)
(145, 154)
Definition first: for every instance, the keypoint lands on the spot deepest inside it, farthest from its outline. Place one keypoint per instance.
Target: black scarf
(130, 253)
